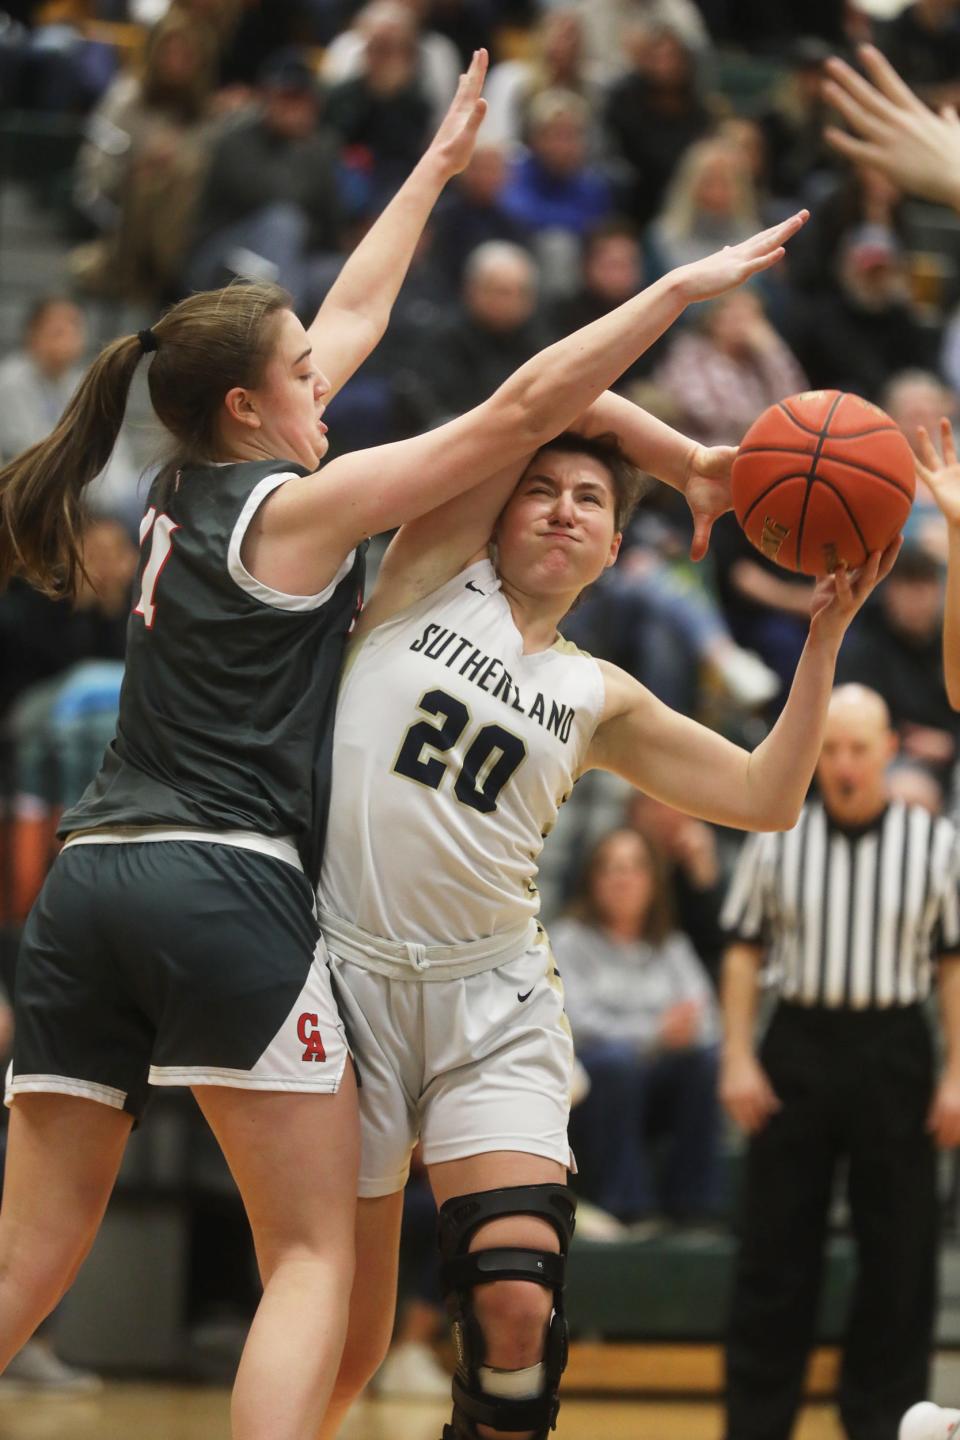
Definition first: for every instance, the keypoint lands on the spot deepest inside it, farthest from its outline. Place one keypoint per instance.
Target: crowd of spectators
(623, 137)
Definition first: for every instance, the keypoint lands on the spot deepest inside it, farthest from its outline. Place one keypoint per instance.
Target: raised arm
(695, 770)
(426, 552)
(942, 475)
(352, 319)
(306, 528)
(893, 130)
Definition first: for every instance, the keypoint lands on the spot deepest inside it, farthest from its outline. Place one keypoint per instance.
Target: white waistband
(280, 847)
(407, 960)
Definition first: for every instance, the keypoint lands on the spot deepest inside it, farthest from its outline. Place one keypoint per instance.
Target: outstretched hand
(893, 129)
(707, 491)
(455, 139)
(941, 473)
(837, 597)
(731, 266)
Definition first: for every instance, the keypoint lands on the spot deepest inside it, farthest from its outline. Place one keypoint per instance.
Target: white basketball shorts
(465, 1065)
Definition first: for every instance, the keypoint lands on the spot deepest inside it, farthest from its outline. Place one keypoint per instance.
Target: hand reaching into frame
(456, 137)
(731, 266)
(941, 473)
(838, 597)
(893, 130)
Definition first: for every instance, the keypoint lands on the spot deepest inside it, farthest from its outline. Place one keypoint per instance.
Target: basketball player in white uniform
(463, 722)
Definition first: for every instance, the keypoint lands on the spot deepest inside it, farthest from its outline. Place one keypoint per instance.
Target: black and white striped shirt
(850, 918)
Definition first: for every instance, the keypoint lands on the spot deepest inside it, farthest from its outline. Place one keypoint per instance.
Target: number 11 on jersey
(160, 529)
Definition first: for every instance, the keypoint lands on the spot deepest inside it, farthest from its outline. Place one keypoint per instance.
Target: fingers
(861, 118)
(761, 262)
(928, 452)
(861, 152)
(947, 442)
(887, 80)
(476, 74)
(701, 537)
(889, 558)
(860, 94)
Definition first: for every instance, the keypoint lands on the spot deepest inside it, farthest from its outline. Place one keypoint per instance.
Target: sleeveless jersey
(226, 710)
(454, 752)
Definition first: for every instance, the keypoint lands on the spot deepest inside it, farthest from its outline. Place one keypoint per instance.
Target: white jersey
(453, 753)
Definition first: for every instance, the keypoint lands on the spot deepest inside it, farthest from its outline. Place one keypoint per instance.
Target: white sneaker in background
(927, 1421)
(36, 1370)
(746, 678)
(595, 1224)
(412, 1371)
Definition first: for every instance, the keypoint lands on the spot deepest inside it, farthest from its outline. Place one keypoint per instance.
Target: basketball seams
(780, 480)
(812, 475)
(835, 490)
(847, 435)
(834, 459)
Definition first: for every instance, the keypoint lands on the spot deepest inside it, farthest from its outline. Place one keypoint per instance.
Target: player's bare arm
(352, 319)
(698, 771)
(372, 491)
(892, 129)
(941, 473)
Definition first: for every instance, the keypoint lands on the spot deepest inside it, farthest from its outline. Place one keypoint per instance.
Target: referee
(852, 914)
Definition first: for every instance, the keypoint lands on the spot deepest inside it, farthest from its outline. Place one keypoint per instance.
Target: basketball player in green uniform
(175, 940)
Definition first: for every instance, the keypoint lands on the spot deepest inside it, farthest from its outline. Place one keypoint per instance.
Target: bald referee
(853, 916)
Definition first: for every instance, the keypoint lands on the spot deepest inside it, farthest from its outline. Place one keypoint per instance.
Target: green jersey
(227, 707)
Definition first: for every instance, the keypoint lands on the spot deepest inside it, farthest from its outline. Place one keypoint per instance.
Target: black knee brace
(462, 1269)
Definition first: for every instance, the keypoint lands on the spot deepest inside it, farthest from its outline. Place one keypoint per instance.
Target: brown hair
(659, 918)
(187, 100)
(205, 346)
(629, 484)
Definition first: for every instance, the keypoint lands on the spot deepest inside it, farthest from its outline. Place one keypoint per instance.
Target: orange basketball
(821, 478)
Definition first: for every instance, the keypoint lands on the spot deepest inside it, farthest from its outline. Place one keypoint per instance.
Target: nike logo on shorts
(521, 998)
(470, 586)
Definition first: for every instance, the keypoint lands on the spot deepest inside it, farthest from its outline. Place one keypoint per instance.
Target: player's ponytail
(41, 491)
(205, 345)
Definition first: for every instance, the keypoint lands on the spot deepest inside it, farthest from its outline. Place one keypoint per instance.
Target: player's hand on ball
(707, 491)
(943, 1122)
(454, 142)
(734, 264)
(941, 473)
(838, 597)
(746, 1093)
(892, 128)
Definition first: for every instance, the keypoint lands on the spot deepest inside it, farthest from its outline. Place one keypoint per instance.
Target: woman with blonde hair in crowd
(710, 202)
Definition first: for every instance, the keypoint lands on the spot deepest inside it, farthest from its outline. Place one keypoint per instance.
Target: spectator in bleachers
(863, 196)
(552, 191)
(854, 336)
(915, 398)
(726, 368)
(494, 331)
(766, 607)
(611, 270)
(470, 24)
(36, 382)
(609, 21)
(557, 61)
(801, 163)
(472, 212)
(689, 848)
(709, 203)
(654, 113)
(140, 167)
(270, 206)
(433, 62)
(923, 44)
(645, 1027)
(382, 110)
(895, 649)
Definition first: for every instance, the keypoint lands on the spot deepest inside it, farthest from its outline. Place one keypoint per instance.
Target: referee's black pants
(854, 1086)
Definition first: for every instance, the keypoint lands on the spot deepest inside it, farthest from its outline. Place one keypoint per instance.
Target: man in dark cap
(270, 207)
